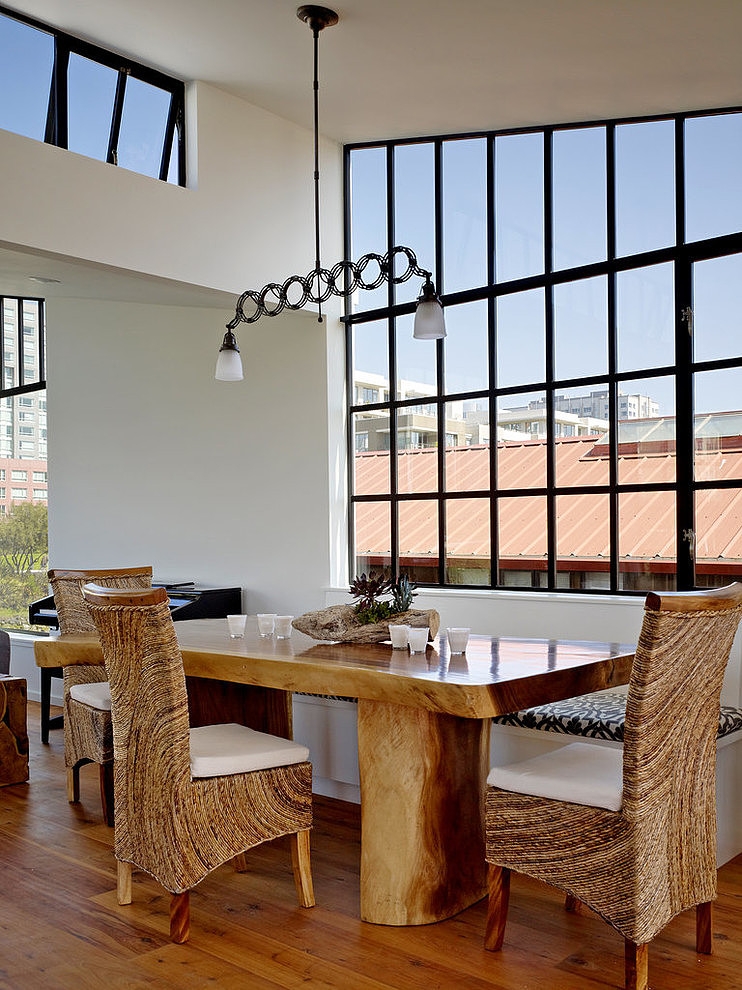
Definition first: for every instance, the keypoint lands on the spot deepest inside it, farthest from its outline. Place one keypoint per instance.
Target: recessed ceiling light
(44, 280)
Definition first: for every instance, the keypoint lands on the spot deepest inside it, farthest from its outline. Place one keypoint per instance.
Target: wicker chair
(88, 736)
(631, 832)
(188, 800)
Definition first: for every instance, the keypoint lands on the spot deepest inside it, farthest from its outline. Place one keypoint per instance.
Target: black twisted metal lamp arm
(318, 285)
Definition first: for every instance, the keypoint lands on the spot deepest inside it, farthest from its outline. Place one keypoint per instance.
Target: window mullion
(118, 111)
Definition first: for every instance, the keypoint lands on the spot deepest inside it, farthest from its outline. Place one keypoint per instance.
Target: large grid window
(61, 90)
(580, 427)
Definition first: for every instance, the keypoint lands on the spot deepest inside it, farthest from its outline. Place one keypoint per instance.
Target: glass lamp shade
(429, 322)
(229, 362)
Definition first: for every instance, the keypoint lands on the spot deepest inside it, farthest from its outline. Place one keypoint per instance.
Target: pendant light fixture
(343, 278)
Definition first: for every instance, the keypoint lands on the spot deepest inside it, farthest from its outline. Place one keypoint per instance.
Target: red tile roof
(647, 519)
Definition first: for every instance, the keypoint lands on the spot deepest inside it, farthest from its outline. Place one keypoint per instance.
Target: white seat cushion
(97, 695)
(219, 750)
(579, 773)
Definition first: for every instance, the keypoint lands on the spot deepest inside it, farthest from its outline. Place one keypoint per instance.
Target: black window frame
(680, 254)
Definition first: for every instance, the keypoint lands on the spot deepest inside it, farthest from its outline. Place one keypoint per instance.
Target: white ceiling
(422, 67)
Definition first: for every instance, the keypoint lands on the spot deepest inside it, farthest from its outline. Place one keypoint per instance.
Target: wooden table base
(423, 777)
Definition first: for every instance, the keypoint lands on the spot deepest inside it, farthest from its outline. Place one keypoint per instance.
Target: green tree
(24, 552)
(24, 539)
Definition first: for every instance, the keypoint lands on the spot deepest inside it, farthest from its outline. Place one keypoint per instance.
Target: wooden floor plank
(62, 928)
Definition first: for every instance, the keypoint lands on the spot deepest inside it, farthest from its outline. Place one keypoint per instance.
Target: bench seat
(596, 716)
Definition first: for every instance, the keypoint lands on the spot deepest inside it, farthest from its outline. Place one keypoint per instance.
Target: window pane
(646, 431)
(468, 541)
(371, 462)
(580, 428)
(26, 60)
(719, 536)
(519, 206)
(645, 318)
(464, 214)
(373, 541)
(368, 219)
(142, 135)
(646, 541)
(467, 446)
(645, 186)
(713, 188)
(91, 94)
(522, 542)
(521, 338)
(581, 328)
(579, 192)
(370, 362)
(418, 540)
(466, 348)
(583, 540)
(521, 441)
(718, 425)
(417, 443)
(717, 323)
(173, 171)
(416, 361)
(414, 210)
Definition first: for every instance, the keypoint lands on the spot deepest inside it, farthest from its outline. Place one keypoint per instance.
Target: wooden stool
(13, 732)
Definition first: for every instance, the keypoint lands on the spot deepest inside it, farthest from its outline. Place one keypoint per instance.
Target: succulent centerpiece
(379, 602)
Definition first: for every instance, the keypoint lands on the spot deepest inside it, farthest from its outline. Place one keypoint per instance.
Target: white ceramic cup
(283, 626)
(236, 625)
(458, 637)
(398, 635)
(266, 622)
(417, 638)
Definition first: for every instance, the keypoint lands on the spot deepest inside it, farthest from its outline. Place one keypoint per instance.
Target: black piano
(186, 600)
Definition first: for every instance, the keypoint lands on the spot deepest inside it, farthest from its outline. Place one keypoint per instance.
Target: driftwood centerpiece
(339, 624)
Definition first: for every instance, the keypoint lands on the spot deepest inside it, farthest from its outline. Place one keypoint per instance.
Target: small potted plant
(379, 601)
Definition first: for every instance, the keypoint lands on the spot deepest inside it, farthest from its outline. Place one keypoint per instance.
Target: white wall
(246, 219)
(153, 461)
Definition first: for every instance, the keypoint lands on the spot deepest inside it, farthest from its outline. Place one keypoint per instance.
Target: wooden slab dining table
(423, 735)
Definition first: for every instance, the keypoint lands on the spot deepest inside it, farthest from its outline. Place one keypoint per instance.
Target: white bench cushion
(219, 750)
(96, 695)
(579, 773)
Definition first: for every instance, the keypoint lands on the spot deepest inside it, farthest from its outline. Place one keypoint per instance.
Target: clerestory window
(592, 372)
(66, 92)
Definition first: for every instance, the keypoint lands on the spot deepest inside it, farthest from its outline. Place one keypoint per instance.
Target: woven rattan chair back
(88, 736)
(169, 824)
(656, 856)
(672, 711)
(72, 610)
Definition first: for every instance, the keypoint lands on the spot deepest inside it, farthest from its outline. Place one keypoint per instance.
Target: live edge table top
(496, 675)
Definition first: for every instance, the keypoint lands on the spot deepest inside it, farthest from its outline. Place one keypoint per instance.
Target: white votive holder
(236, 626)
(398, 634)
(417, 638)
(458, 637)
(266, 623)
(283, 626)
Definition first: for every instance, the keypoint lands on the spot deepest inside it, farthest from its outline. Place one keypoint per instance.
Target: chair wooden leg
(180, 917)
(636, 960)
(571, 904)
(704, 927)
(73, 784)
(302, 866)
(106, 792)
(498, 887)
(123, 882)
(240, 863)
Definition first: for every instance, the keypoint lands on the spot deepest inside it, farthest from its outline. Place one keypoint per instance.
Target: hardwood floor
(61, 926)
